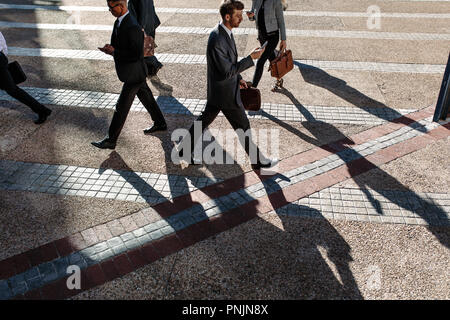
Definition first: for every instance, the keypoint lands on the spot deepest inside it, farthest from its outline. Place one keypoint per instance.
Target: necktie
(234, 44)
(116, 27)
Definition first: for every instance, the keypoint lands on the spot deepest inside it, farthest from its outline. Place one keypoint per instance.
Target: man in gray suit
(224, 83)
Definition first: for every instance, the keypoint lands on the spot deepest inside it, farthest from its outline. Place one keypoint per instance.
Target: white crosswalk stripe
(215, 11)
(242, 31)
(201, 59)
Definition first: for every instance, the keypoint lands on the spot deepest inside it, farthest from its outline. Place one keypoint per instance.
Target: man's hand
(256, 53)
(283, 45)
(250, 15)
(243, 84)
(108, 49)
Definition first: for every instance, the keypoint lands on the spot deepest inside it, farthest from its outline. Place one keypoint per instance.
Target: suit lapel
(228, 39)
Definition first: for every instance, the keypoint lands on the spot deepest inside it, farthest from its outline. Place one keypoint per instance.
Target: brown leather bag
(149, 46)
(281, 64)
(251, 99)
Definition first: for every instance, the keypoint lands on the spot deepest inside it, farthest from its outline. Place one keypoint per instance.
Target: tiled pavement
(40, 273)
(185, 210)
(123, 185)
(184, 106)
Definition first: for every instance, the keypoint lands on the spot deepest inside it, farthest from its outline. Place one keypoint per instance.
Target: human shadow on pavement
(177, 186)
(340, 88)
(166, 101)
(315, 237)
(427, 210)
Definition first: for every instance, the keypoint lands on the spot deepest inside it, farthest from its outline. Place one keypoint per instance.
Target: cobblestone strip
(214, 11)
(379, 206)
(244, 31)
(351, 204)
(183, 106)
(201, 59)
(201, 221)
(338, 203)
(123, 185)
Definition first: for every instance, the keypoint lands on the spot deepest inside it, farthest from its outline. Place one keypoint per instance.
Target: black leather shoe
(269, 163)
(43, 116)
(155, 128)
(104, 144)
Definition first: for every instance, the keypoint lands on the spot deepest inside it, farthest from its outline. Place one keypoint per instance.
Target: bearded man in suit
(224, 83)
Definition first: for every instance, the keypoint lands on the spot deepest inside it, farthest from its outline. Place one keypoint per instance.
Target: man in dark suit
(224, 83)
(145, 14)
(126, 46)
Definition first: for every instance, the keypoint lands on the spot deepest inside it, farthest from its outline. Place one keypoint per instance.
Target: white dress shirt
(121, 18)
(3, 46)
(226, 29)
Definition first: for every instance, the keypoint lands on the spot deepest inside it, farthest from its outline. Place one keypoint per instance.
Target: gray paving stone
(60, 266)
(167, 230)
(143, 240)
(155, 235)
(151, 227)
(119, 249)
(105, 255)
(5, 291)
(113, 242)
(132, 244)
(48, 272)
(77, 259)
(18, 284)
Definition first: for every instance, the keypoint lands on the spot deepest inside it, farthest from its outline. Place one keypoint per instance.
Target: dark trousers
(126, 98)
(269, 53)
(238, 120)
(7, 84)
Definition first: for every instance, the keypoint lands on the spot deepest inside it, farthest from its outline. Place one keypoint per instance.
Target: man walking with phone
(127, 42)
(224, 83)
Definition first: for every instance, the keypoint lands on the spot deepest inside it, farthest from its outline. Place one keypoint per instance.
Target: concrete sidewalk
(359, 207)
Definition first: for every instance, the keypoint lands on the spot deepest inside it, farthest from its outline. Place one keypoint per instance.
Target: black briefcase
(16, 72)
(251, 99)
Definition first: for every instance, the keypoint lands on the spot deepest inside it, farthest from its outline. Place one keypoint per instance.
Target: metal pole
(443, 103)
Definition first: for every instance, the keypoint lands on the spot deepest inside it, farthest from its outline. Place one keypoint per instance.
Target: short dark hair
(228, 7)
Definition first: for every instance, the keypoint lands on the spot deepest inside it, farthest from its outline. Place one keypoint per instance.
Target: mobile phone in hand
(264, 45)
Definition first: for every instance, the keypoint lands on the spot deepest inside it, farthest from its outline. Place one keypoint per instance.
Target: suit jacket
(273, 15)
(144, 12)
(128, 43)
(224, 70)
